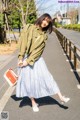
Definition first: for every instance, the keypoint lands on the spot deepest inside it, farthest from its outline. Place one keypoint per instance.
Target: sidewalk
(50, 107)
(6, 62)
(4, 59)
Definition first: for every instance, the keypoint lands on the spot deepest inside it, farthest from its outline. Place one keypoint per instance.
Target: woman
(35, 80)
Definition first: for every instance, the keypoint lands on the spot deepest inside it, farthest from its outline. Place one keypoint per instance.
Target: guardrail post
(75, 60)
(60, 40)
(61, 37)
(69, 47)
(70, 50)
(66, 46)
(63, 41)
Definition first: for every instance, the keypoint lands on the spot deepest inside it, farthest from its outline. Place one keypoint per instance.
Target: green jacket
(32, 42)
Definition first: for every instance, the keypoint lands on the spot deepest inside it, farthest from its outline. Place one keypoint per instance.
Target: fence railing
(71, 49)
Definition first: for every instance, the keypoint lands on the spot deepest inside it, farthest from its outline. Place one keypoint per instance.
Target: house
(66, 20)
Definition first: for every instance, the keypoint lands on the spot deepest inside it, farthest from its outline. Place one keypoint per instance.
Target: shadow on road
(41, 101)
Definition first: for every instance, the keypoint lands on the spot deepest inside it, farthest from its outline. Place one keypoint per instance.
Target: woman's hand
(24, 63)
(20, 63)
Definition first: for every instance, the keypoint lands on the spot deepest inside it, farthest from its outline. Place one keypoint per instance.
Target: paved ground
(6, 62)
(50, 107)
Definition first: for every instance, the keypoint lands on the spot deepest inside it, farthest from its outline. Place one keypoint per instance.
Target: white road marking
(78, 86)
(69, 60)
(6, 97)
(64, 54)
(77, 70)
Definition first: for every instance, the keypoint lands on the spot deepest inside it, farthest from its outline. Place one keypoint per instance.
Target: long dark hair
(49, 28)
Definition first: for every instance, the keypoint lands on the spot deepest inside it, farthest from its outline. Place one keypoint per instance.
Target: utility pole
(67, 9)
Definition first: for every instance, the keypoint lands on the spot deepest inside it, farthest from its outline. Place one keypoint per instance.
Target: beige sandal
(65, 99)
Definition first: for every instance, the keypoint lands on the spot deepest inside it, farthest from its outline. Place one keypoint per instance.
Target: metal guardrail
(69, 48)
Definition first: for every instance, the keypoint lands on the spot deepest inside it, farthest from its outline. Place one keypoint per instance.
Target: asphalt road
(50, 107)
(72, 35)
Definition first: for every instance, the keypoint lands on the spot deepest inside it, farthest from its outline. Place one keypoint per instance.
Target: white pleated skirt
(36, 81)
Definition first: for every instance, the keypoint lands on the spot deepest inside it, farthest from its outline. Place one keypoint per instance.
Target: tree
(16, 13)
(22, 9)
(73, 15)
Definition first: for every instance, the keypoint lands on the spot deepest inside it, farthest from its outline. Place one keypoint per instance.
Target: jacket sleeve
(23, 42)
(37, 50)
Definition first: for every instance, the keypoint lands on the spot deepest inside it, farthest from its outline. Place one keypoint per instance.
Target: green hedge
(56, 24)
(73, 27)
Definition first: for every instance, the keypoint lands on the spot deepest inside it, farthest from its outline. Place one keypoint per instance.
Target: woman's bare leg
(34, 105)
(33, 101)
(60, 95)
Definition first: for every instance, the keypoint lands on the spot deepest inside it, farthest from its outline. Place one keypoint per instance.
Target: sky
(52, 6)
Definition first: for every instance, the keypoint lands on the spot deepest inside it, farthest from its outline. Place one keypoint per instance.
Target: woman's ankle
(33, 102)
(60, 95)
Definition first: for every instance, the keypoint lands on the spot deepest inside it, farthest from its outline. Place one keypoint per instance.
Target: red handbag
(10, 77)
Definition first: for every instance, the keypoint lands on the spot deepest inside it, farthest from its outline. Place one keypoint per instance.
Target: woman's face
(45, 22)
